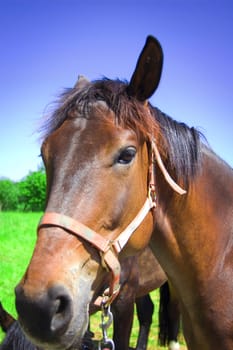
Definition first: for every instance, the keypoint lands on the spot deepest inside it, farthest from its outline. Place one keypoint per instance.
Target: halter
(109, 249)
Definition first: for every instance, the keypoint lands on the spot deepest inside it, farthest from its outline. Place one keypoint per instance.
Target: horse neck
(191, 227)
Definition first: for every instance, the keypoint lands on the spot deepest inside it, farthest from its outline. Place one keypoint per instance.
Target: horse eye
(126, 155)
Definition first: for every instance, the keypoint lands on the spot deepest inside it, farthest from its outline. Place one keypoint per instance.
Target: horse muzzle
(46, 318)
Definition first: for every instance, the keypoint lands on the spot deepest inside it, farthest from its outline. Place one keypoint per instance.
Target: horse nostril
(61, 309)
(61, 305)
(61, 314)
(47, 316)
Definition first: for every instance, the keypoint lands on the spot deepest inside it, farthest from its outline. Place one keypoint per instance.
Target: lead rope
(106, 343)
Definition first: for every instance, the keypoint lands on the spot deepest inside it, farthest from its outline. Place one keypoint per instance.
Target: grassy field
(17, 239)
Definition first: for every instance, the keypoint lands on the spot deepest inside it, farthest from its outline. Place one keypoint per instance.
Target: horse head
(97, 164)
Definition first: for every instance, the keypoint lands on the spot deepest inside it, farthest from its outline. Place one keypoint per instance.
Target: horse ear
(146, 76)
(81, 82)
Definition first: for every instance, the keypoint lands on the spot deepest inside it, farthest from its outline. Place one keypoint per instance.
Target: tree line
(25, 195)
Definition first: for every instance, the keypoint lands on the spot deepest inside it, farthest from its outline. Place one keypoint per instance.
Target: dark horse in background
(116, 167)
(14, 339)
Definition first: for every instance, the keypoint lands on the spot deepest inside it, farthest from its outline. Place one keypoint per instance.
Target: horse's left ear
(81, 82)
(148, 70)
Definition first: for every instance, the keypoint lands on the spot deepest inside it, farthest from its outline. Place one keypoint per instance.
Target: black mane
(183, 145)
(129, 112)
(179, 143)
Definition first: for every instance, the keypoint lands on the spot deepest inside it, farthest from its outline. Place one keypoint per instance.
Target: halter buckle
(152, 193)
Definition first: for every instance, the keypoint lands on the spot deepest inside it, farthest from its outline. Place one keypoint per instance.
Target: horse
(122, 175)
(15, 339)
(136, 281)
(6, 319)
(169, 317)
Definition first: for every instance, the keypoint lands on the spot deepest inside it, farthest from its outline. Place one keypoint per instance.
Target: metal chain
(106, 320)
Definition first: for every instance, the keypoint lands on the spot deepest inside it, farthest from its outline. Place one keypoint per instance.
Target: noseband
(109, 249)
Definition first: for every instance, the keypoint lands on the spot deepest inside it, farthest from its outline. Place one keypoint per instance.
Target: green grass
(17, 239)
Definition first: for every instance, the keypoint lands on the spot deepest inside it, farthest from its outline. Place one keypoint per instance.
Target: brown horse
(110, 158)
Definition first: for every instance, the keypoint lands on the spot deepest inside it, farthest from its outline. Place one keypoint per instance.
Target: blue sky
(46, 44)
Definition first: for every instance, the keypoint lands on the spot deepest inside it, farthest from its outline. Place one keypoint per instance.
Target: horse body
(104, 147)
